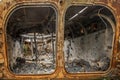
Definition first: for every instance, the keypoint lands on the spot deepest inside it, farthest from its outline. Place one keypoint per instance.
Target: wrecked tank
(59, 39)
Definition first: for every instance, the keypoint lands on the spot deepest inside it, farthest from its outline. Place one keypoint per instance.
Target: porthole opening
(31, 40)
(88, 38)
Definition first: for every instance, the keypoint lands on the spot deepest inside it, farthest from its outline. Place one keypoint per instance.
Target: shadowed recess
(88, 38)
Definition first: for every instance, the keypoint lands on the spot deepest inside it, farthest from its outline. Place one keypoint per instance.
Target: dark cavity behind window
(31, 40)
(88, 39)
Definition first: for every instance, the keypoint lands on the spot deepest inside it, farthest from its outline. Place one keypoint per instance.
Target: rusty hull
(6, 6)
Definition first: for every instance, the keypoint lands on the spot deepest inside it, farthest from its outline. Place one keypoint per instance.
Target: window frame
(16, 7)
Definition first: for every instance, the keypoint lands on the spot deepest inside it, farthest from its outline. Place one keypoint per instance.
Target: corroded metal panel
(6, 6)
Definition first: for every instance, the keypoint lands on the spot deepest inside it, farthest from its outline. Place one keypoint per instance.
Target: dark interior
(88, 38)
(31, 40)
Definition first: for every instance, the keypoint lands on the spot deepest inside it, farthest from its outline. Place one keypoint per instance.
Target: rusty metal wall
(6, 6)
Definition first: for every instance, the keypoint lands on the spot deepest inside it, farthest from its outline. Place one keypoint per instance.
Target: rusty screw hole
(61, 2)
(2, 69)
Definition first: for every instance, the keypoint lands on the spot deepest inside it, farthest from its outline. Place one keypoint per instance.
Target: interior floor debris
(44, 65)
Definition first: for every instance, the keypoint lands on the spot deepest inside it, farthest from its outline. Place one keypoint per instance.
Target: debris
(42, 67)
